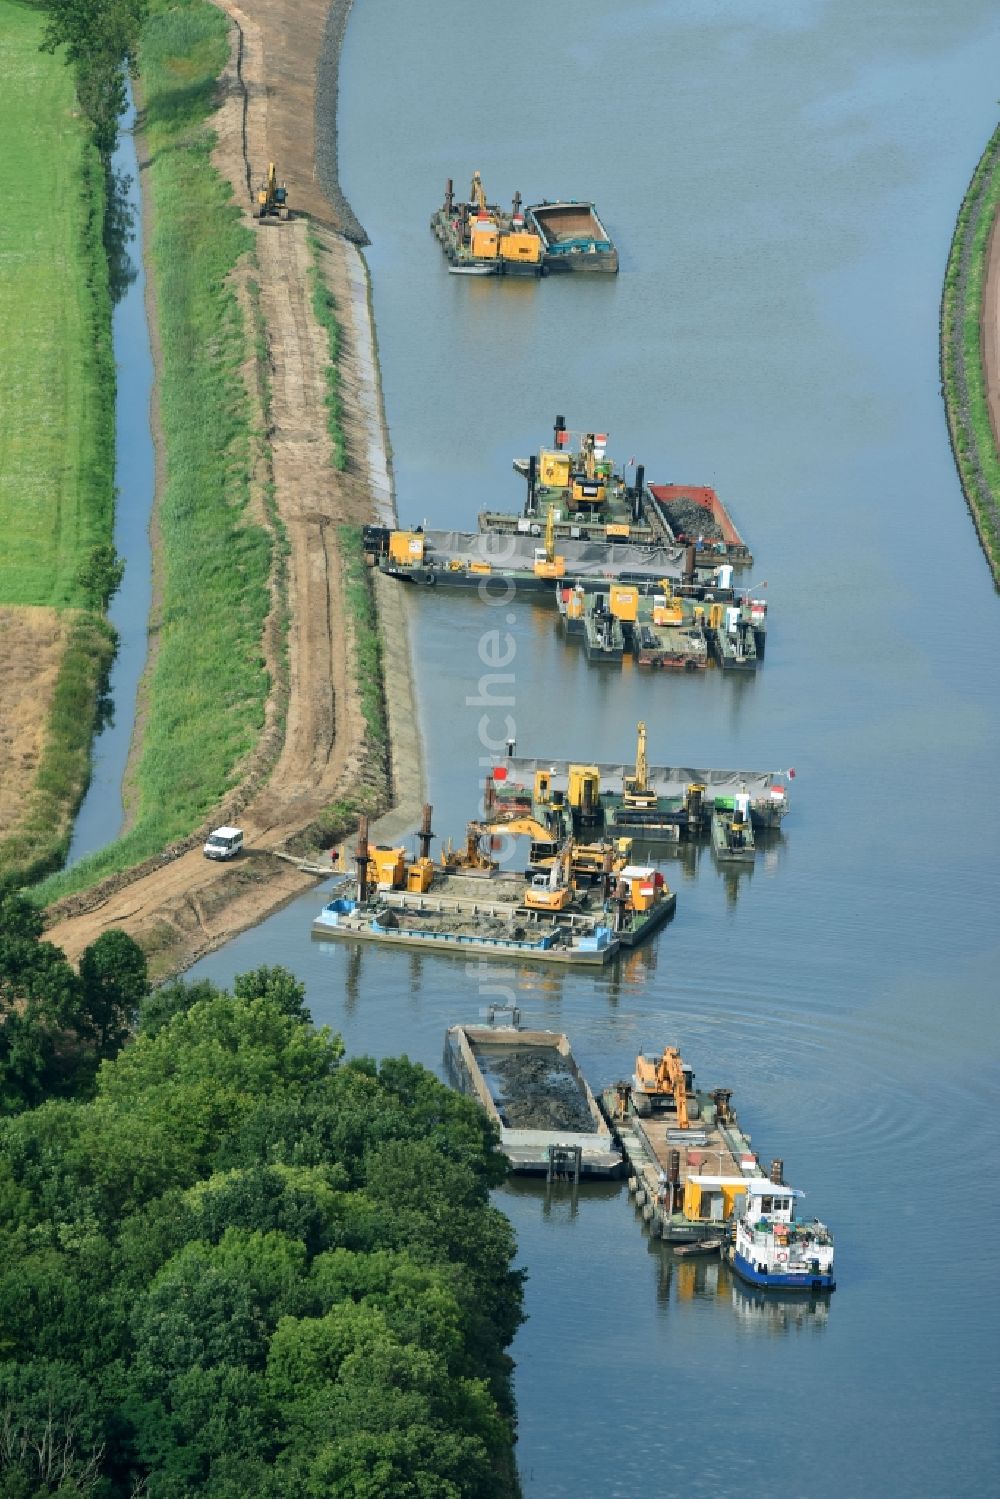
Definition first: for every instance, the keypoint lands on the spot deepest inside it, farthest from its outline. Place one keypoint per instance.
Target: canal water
(782, 183)
(102, 814)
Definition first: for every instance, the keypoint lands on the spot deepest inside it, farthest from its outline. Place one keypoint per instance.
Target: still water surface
(782, 183)
(102, 813)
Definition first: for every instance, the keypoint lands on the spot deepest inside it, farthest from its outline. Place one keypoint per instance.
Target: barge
(642, 801)
(732, 830)
(576, 902)
(531, 1087)
(738, 635)
(469, 914)
(587, 496)
(481, 239)
(603, 635)
(695, 1177)
(573, 238)
(694, 513)
(494, 563)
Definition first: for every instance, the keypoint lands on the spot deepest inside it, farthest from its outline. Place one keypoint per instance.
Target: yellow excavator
(477, 194)
(636, 788)
(271, 201)
(474, 856)
(662, 1082)
(588, 487)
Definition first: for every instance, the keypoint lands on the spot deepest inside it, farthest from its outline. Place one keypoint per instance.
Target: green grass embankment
(206, 698)
(963, 375)
(57, 373)
(325, 309)
(57, 411)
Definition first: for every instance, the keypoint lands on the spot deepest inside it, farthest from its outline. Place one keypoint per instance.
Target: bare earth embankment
(185, 905)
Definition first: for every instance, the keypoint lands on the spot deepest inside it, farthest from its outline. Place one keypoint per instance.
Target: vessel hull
(771, 1281)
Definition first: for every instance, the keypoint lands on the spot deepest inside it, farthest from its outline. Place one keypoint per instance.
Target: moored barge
(573, 237)
(653, 802)
(695, 513)
(695, 1177)
(531, 1087)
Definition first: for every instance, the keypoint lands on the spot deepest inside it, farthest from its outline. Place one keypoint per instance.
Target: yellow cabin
(623, 602)
(406, 547)
(419, 876)
(554, 569)
(584, 792)
(617, 530)
(387, 867)
(521, 246)
(712, 1199)
(553, 469)
(484, 239)
(574, 604)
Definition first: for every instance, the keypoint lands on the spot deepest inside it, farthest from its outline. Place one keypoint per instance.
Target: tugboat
(732, 830)
(773, 1250)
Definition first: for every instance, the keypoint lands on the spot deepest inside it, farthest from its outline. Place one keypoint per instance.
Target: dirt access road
(188, 905)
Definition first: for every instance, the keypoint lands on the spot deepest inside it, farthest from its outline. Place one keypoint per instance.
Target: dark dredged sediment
(327, 81)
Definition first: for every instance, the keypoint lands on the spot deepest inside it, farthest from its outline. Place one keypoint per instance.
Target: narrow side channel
(102, 813)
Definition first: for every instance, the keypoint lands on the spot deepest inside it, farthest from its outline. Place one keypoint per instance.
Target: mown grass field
(56, 366)
(57, 391)
(207, 695)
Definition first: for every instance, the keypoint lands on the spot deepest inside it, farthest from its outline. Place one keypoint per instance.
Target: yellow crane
(477, 194)
(660, 1081)
(636, 788)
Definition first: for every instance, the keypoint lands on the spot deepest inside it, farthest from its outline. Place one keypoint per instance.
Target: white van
(224, 843)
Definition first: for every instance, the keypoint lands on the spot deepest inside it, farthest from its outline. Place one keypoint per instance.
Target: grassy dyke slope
(57, 416)
(963, 376)
(209, 685)
(56, 364)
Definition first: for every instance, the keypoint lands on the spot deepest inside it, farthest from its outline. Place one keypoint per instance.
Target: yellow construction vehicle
(589, 485)
(272, 197)
(636, 787)
(482, 225)
(661, 1083)
(584, 792)
(554, 891)
(471, 856)
(547, 564)
(477, 194)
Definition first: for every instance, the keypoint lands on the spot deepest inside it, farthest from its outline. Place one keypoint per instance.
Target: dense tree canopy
(247, 1267)
(101, 41)
(56, 1025)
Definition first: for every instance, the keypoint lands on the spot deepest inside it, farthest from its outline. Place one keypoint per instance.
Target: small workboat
(698, 1246)
(772, 1249)
(472, 270)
